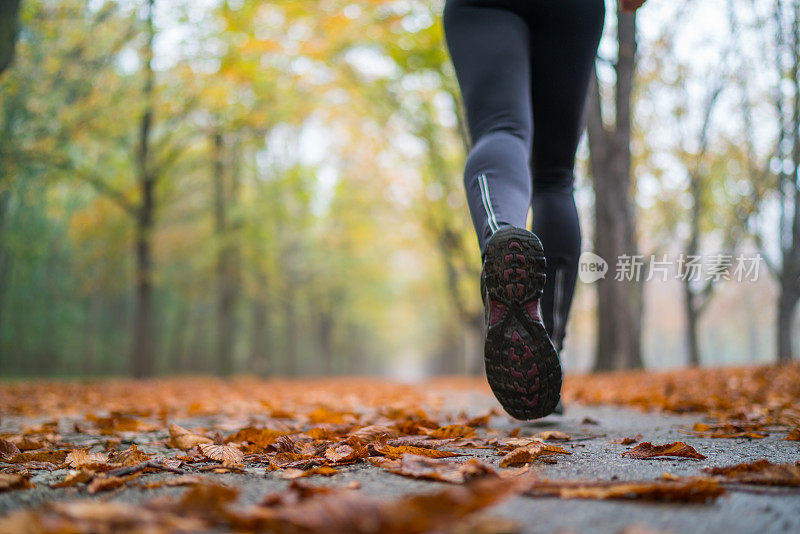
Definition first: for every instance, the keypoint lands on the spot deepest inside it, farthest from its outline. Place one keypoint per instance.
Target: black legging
(524, 68)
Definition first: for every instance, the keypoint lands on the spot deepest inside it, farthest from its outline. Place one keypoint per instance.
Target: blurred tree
(9, 10)
(619, 305)
(775, 171)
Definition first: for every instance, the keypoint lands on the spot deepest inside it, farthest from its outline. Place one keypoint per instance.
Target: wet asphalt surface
(594, 456)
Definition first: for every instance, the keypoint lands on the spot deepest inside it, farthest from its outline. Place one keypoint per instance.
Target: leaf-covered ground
(367, 455)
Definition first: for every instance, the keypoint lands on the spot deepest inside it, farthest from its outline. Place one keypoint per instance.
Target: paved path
(594, 456)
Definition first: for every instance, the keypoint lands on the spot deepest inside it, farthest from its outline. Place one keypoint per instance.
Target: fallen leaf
(793, 435)
(180, 438)
(552, 435)
(180, 480)
(262, 437)
(291, 474)
(8, 450)
(529, 453)
(398, 452)
(371, 432)
(106, 483)
(453, 431)
(727, 430)
(687, 490)
(84, 458)
(678, 449)
(53, 457)
(344, 453)
(761, 472)
(432, 469)
(73, 478)
(628, 440)
(128, 457)
(219, 452)
(345, 511)
(27, 443)
(13, 481)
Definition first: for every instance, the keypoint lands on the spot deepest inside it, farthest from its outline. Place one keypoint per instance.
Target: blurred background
(275, 188)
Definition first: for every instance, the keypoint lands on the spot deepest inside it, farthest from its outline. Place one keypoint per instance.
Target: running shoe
(522, 364)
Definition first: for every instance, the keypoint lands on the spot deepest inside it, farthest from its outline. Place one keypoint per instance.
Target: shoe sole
(522, 365)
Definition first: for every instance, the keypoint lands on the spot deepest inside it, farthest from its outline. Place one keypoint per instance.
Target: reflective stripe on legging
(487, 201)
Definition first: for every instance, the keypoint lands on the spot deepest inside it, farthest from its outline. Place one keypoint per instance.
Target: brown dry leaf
(416, 441)
(217, 451)
(397, 452)
(480, 420)
(793, 435)
(104, 483)
(53, 457)
(345, 511)
(262, 437)
(180, 438)
(432, 469)
(13, 481)
(208, 501)
(291, 474)
(120, 423)
(27, 443)
(128, 457)
(728, 430)
(628, 440)
(371, 432)
(346, 452)
(529, 453)
(324, 415)
(84, 458)
(180, 480)
(74, 478)
(552, 435)
(684, 490)
(678, 449)
(8, 450)
(762, 472)
(453, 431)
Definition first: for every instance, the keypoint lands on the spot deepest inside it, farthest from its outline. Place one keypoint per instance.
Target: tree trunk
(291, 331)
(142, 355)
(325, 332)
(692, 316)
(260, 336)
(228, 252)
(225, 322)
(5, 267)
(787, 307)
(177, 345)
(93, 305)
(789, 279)
(9, 14)
(619, 307)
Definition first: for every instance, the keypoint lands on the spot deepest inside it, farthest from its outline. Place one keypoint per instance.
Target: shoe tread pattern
(522, 366)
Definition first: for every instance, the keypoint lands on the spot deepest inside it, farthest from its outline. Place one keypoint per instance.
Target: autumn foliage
(114, 436)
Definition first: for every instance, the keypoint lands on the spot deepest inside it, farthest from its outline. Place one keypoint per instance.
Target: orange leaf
(529, 453)
(13, 481)
(452, 431)
(180, 438)
(227, 454)
(679, 449)
(761, 472)
(83, 458)
(397, 452)
(685, 490)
